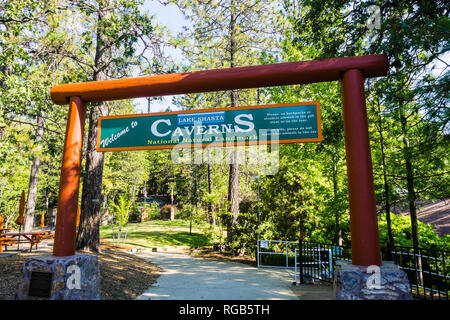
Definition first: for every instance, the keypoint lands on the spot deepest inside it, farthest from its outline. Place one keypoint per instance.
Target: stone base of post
(75, 277)
(386, 282)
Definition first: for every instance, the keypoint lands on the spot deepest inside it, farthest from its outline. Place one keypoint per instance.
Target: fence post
(330, 263)
(257, 253)
(300, 260)
(287, 255)
(295, 266)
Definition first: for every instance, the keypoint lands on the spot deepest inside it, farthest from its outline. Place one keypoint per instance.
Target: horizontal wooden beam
(288, 73)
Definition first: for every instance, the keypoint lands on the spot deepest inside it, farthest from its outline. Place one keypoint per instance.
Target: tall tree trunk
(337, 216)
(47, 190)
(387, 206)
(233, 181)
(172, 208)
(33, 183)
(411, 192)
(89, 229)
(212, 219)
(193, 195)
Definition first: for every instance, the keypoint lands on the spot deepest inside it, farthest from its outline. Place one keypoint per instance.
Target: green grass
(160, 233)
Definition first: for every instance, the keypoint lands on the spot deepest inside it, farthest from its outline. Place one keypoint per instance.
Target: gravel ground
(124, 276)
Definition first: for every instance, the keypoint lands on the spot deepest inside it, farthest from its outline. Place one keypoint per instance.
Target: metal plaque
(40, 284)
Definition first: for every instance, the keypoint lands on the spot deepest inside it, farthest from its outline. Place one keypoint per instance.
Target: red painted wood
(65, 229)
(363, 215)
(221, 79)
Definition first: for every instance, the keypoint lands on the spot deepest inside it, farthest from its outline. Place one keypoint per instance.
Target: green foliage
(153, 209)
(121, 210)
(401, 229)
(244, 234)
(125, 172)
(25, 77)
(121, 215)
(224, 217)
(189, 210)
(136, 211)
(45, 43)
(408, 120)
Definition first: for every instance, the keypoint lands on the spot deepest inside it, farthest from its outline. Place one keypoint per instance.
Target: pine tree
(227, 34)
(102, 42)
(413, 51)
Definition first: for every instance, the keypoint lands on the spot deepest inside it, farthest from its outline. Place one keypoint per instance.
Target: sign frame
(213, 144)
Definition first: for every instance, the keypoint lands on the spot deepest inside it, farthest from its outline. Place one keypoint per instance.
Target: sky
(171, 17)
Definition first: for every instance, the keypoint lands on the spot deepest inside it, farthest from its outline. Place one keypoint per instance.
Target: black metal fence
(427, 269)
(316, 261)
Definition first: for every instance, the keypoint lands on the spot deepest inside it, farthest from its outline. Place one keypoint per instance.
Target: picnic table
(33, 238)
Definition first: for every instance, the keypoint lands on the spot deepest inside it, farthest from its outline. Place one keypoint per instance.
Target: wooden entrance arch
(351, 71)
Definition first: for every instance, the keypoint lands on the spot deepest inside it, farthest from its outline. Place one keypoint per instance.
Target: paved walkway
(192, 278)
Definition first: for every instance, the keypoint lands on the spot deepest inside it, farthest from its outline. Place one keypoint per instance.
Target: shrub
(135, 213)
(166, 210)
(121, 211)
(243, 235)
(152, 210)
(401, 229)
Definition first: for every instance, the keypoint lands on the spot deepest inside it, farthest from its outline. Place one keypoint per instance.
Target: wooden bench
(9, 241)
(46, 234)
(33, 238)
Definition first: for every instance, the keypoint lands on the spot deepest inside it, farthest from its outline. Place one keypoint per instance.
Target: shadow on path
(192, 278)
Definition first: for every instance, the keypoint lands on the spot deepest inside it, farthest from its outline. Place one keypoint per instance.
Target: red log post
(363, 215)
(65, 230)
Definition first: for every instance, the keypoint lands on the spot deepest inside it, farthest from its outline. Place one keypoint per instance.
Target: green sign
(281, 123)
